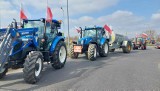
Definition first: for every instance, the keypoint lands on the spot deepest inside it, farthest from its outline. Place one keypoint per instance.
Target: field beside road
(139, 70)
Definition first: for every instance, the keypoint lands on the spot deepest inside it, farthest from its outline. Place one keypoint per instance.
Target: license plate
(78, 49)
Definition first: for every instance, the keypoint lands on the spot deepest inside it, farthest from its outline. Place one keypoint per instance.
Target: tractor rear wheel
(5, 70)
(72, 54)
(59, 56)
(103, 52)
(92, 52)
(145, 47)
(127, 49)
(33, 67)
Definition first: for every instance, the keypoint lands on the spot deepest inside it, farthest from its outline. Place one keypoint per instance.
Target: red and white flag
(144, 35)
(22, 14)
(108, 29)
(49, 14)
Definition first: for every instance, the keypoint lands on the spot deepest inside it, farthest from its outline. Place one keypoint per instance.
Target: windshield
(92, 33)
(35, 24)
(139, 39)
(89, 33)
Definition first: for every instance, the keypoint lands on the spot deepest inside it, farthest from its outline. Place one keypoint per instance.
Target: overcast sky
(125, 16)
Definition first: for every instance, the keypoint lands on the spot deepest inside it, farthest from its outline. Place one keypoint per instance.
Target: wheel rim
(106, 48)
(62, 54)
(38, 67)
(95, 52)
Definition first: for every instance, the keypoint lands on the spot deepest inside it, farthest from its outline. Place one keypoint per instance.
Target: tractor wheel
(127, 49)
(59, 56)
(92, 52)
(103, 52)
(72, 54)
(142, 47)
(33, 67)
(5, 70)
(145, 47)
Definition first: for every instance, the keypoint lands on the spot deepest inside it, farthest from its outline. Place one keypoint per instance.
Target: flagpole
(20, 11)
(68, 24)
(63, 17)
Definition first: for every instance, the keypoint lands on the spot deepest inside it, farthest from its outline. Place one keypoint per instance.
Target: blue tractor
(92, 41)
(36, 42)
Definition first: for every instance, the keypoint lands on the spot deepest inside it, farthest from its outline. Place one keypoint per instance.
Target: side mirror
(59, 34)
(15, 24)
(53, 26)
(42, 20)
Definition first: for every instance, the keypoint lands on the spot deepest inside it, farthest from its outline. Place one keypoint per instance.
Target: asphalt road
(137, 71)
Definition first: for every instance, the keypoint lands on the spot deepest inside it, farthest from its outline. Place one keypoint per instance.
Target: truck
(38, 41)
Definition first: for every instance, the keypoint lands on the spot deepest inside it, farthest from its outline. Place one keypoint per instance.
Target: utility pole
(68, 23)
(0, 19)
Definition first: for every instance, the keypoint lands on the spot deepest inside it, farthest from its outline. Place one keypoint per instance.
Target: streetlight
(68, 23)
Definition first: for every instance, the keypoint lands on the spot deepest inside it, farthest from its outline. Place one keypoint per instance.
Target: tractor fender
(103, 40)
(55, 42)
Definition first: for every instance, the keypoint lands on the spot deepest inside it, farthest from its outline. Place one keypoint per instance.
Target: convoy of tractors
(38, 41)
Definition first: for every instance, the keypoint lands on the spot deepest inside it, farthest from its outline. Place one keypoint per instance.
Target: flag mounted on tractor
(49, 14)
(22, 14)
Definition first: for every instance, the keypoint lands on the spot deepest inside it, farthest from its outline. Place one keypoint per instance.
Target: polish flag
(49, 14)
(108, 29)
(22, 14)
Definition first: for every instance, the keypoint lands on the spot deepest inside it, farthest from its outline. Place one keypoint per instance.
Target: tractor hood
(27, 31)
(85, 40)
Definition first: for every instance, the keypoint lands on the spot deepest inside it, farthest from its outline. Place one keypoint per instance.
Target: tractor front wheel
(5, 70)
(92, 52)
(59, 56)
(33, 67)
(72, 54)
(103, 52)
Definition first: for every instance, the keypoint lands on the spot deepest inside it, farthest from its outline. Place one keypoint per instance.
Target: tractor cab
(47, 31)
(91, 35)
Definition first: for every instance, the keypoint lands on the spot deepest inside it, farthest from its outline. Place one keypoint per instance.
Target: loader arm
(6, 46)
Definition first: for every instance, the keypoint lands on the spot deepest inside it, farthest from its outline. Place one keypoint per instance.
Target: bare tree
(151, 34)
